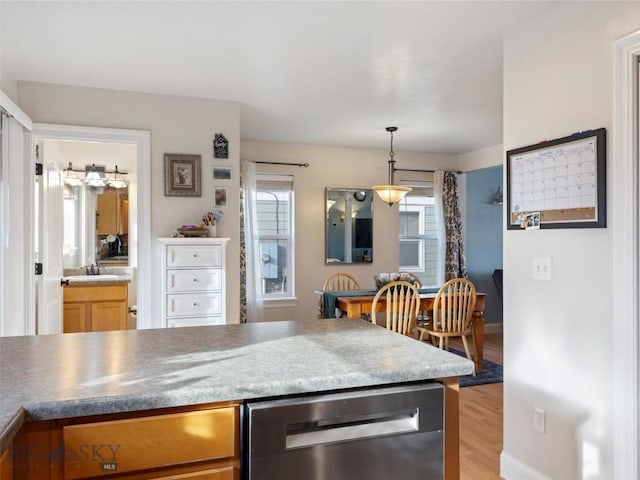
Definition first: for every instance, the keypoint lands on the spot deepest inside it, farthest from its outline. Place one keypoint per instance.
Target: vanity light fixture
(69, 177)
(391, 193)
(94, 176)
(117, 181)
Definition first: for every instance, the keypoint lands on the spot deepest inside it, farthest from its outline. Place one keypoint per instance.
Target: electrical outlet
(539, 419)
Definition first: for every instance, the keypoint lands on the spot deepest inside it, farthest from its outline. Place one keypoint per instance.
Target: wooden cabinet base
(193, 443)
(6, 465)
(95, 308)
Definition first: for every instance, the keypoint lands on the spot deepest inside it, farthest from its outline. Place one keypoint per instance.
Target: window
(418, 235)
(275, 214)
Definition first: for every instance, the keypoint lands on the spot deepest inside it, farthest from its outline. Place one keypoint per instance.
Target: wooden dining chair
(402, 302)
(424, 316)
(452, 312)
(340, 281)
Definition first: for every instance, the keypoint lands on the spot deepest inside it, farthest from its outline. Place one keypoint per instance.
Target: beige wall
(337, 167)
(487, 157)
(177, 125)
(558, 339)
(187, 125)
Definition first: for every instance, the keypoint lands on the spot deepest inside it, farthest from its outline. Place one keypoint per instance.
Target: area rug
(491, 373)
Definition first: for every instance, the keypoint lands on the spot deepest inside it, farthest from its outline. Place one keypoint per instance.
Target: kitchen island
(54, 377)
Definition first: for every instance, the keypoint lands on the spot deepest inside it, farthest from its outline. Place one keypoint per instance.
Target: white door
(49, 243)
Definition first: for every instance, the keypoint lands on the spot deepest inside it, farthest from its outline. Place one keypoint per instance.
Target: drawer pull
(195, 304)
(195, 255)
(195, 279)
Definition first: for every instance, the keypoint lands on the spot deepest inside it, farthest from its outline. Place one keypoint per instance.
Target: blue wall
(484, 236)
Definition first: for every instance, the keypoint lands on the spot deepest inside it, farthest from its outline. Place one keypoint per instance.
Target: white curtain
(438, 189)
(253, 286)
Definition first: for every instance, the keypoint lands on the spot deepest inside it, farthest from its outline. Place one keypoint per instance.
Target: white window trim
(283, 299)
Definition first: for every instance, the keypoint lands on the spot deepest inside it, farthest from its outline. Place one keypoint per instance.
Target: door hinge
(38, 268)
(37, 152)
(38, 169)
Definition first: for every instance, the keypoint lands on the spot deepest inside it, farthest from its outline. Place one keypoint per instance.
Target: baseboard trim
(512, 469)
(492, 328)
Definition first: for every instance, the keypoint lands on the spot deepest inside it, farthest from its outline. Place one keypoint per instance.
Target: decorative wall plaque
(220, 146)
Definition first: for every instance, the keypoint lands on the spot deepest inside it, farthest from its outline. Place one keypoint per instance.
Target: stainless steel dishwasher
(378, 433)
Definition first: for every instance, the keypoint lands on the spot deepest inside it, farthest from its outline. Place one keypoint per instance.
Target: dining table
(356, 303)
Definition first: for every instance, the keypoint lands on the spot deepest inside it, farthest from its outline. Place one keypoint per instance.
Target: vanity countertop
(131, 370)
(108, 275)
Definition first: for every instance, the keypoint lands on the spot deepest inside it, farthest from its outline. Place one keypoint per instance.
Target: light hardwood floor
(481, 422)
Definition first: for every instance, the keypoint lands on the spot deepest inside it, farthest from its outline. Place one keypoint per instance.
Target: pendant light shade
(391, 193)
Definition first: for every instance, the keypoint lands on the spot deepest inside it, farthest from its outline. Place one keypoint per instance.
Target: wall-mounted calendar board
(564, 180)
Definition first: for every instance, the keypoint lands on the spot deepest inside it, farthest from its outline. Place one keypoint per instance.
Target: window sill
(283, 302)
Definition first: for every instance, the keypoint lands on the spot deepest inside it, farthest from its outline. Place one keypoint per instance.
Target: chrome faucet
(92, 270)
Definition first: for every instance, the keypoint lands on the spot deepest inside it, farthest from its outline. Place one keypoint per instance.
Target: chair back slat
(340, 281)
(453, 306)
(402, 302)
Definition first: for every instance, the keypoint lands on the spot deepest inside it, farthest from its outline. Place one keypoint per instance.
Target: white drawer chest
(193, 281)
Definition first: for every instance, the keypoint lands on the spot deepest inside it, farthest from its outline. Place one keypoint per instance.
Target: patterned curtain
(243, 260)
(455, 263)
(251, 287)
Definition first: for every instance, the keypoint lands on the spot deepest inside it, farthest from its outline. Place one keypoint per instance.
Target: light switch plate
(541, 269)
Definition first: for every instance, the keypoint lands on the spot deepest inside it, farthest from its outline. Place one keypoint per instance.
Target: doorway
(138, 237)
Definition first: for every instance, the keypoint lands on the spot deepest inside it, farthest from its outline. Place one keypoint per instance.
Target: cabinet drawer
(186, 305)
(195, 321)
(95, 293)
(222, 473)
(190, 280)
(194, 256)
(103, 448)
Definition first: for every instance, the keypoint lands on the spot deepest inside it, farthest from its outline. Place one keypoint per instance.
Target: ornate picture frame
(182, 175)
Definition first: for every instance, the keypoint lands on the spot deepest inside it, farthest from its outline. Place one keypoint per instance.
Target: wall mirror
(348, 225)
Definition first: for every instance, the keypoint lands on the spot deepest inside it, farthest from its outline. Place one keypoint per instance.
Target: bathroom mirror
(348, 225)
(96, 226)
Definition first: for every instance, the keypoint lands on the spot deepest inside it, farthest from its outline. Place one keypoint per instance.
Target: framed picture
(220, 197)
(558, 183)
(220, 146)
(182, 175)
(221, 173)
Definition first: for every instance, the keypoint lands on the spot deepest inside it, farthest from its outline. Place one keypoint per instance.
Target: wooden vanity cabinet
(95, 308)
(112, 213)
(195, 443)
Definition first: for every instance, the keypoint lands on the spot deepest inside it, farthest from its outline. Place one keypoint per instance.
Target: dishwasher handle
(345, 429)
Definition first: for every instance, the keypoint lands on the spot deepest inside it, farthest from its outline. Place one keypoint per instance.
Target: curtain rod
(305, 165)
(414, 170)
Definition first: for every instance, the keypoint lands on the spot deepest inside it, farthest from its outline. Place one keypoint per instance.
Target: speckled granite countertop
(61, 376)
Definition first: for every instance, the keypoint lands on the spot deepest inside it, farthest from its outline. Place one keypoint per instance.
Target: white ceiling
(327, 73)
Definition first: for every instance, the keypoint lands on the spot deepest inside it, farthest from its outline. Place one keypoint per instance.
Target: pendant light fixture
(391, 193)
